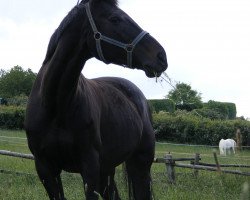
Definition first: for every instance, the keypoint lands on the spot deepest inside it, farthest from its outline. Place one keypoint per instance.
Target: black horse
(91, 126)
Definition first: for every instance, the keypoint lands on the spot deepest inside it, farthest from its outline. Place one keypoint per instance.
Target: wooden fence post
(170, 168)
(217, 162)
(238, 140)
(196, 162)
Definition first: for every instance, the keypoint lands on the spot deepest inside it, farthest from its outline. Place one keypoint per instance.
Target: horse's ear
(112, 2)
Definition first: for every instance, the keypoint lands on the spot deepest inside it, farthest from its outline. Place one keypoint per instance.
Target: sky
(207, 43)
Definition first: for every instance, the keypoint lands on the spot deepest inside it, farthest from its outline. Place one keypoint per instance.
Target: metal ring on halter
(129, 48)
(97, 36)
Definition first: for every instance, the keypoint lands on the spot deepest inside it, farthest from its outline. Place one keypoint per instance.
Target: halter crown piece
(98, 37)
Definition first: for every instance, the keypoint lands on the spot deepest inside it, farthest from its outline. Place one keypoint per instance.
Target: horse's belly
(118, 147)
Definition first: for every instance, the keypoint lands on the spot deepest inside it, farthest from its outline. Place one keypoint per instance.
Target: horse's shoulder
(125, 89)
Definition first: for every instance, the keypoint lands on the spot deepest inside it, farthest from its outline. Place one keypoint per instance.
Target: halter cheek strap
(99, 37)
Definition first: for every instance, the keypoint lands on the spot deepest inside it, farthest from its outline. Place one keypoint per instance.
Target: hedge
(180, 126)
(12, 117)
(228, 110)
(195, 130)
(211, 109)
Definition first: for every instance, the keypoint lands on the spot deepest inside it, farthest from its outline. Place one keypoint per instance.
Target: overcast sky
(207, 43)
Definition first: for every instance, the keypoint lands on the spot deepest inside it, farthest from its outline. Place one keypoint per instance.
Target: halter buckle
(129, 48)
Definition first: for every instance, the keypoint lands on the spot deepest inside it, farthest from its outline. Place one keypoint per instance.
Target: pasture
(19, 180)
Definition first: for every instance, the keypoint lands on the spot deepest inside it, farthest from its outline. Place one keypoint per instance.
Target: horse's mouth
(151, 73)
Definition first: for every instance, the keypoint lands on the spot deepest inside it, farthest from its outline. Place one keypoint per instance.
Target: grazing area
(18, 179)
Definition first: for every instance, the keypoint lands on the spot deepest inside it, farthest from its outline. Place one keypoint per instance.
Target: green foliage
(223, 110)
(16, 82)
(190, 100)
(187, 128)
(157, 105)
(231, 110)
(209, 113)
(12, 117)
(20, 100)
(188, 106)
(184, 97)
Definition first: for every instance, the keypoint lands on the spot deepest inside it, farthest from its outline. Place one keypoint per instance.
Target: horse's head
(114, 37)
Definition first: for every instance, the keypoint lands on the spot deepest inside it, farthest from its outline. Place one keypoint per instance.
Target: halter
(98, 37)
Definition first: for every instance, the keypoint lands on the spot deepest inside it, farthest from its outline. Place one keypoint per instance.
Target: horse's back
(128, 89)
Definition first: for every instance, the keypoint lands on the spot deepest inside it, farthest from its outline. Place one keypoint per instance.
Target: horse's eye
(115, 19)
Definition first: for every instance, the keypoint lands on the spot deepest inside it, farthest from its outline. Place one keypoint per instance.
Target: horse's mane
(64, 24)
(59, 31)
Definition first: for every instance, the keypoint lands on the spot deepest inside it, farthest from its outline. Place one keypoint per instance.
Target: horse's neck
(61, 74)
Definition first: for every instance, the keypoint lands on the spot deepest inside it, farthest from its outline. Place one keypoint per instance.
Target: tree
(184, 97)
(16, 82)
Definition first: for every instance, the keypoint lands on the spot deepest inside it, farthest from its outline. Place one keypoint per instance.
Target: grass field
(208, 185)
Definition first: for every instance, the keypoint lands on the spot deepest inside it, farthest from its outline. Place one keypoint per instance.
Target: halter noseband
(98, 37)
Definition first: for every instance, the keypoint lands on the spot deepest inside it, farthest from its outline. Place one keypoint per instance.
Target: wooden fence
(170, 162)
(16, 154)
(196, 165)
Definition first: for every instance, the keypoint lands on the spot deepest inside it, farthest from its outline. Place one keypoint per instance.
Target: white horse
(227, 146)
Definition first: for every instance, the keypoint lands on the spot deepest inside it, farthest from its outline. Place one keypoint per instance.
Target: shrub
(12, 117)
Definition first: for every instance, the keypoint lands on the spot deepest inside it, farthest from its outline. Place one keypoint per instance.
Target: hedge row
(12, 117)
(228, 110)
(211, 109)
(181, 127)
(196, 130)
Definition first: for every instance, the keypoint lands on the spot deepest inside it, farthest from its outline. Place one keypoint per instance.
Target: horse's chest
(59, 144)
(62, 150)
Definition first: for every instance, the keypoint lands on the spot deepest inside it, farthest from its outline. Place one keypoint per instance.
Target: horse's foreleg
(221, 151)
(51, 180)
(139, 164)
(108, 187)
(141, 181)
(90, 174)
(138, 170)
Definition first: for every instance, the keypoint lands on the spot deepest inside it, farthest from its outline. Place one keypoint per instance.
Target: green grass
(208, 185)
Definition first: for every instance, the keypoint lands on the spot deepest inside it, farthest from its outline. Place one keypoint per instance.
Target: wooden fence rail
(16, 154)
(200, 167)
(196, 165)
(223, 165)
